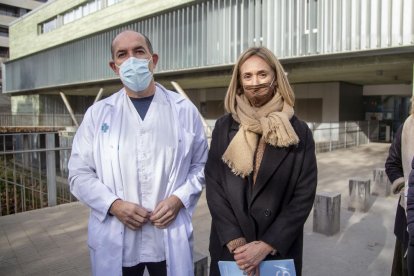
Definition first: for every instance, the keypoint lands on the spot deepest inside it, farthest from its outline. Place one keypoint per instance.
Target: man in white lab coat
(138, 162)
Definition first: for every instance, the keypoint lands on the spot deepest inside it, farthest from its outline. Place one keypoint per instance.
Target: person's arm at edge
(190, 191)
(393, 163)
(410, 205)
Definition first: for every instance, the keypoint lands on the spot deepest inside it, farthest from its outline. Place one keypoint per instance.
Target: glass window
(49, 25)
(111, 2)
(74, 14)
(4, 52)
(4, 32)
(77, 13)
(93, 6)
(311, 15)
(68, 17)
(9, 10)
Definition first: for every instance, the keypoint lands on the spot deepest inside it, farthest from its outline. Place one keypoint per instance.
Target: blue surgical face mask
(135, 74)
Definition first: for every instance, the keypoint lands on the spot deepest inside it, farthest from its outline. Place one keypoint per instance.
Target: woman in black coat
(410, 222)
(394, 170)
(261, 172)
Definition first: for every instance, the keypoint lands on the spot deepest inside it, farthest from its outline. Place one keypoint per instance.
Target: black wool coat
(275, 209)
(394, 170)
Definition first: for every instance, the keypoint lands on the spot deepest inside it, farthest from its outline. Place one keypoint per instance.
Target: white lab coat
(95, 179)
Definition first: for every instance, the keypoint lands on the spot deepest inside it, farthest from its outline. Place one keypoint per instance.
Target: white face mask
(135, 74)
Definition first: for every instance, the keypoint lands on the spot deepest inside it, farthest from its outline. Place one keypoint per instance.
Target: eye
(263, 75)
(140, 52)
(120, 55)
(246, 76)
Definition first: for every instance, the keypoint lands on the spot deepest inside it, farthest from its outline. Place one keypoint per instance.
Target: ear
(114, 67)
(155, 59)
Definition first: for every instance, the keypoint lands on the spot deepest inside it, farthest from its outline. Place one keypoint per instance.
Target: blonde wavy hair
(235, 87)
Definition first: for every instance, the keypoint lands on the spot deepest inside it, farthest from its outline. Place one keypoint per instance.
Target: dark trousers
(410, 260)
(154, 269)
(399, 263)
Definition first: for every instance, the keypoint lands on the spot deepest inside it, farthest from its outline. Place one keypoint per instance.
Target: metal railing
(33, 171)
(339, 135)
(33, 166)
(29, 119)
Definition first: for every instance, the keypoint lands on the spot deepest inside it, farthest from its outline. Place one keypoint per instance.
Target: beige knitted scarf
(270, 120)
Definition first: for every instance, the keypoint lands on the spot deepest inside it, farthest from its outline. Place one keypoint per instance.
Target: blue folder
(274, 268)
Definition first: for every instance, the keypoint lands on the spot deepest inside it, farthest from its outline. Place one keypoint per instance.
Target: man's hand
(166, 211)
(249, 256)
(130, 214)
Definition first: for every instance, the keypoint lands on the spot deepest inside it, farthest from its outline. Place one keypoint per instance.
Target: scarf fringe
(273, 137)
(231, 165)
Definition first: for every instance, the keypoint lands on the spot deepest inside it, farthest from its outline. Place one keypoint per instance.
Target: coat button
(267, 213)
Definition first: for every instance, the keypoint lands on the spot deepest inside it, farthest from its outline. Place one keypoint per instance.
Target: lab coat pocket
(95, 231)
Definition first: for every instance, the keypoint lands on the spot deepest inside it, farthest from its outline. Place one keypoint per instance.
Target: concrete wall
(25, 32)
(26, 4)
(328, 92)
(210, 101)
(388, 89)
(5, 20)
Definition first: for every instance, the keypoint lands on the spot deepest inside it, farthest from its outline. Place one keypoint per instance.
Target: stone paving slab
(52, 241)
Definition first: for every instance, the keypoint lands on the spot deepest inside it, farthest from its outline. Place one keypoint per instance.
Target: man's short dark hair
(149, 44)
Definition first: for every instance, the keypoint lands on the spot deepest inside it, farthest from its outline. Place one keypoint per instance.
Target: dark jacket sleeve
(410, 204)
(224, 219)
(290, 221)
(393, 164)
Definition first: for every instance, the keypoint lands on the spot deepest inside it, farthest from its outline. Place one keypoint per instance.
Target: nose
(255, 80)
(130, 54)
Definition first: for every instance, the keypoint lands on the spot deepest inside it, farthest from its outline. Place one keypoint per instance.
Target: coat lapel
(115, 118)
(239, 194)
(234, 127)
(272, 158)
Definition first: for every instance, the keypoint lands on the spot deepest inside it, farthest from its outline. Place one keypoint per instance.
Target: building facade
(10, 11)
(346, 59)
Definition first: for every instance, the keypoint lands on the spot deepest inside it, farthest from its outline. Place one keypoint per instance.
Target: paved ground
(52, 241)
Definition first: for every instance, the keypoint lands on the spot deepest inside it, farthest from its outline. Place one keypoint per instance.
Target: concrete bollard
(327, 213)
(200, 264)
(382, 186)
(359, 194)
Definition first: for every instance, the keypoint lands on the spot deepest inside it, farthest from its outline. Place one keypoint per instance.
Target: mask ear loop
(276, 86)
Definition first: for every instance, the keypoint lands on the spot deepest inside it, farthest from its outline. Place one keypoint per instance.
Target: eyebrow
(134, 49)
(258, 72)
